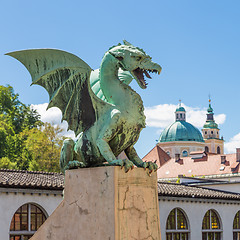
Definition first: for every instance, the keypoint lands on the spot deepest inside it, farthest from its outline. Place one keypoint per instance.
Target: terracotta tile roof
(33, 180)
(157, 154)
(196, 152)
(55, 181)
(209, 165)
(178, 190)
(234, 165)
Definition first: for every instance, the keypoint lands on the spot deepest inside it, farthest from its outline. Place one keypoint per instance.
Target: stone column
(105, 203)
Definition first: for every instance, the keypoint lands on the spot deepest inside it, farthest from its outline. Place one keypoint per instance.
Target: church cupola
(180, 113)
(210, 123)
(214, 143)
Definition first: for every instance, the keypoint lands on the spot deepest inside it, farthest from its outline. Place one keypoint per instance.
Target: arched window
(206, 149)
(177, 225)
(236, 226)
(218, 150)
(185, 153)
(26, 221)
(211, 227)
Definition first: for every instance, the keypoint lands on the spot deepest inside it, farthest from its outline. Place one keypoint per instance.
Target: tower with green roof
(210, 131)
(181, 138)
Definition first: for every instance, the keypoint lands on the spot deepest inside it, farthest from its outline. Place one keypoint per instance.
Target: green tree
(17, 114)
(6, 163)
(25, 142)
(44, 145)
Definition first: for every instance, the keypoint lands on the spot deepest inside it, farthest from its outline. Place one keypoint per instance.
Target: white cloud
(232, 144)
(53, 116)
(161, 116)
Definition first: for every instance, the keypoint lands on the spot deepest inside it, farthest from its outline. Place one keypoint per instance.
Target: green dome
(180, 109)
(210, 124)
(210, 110)
(181, 131)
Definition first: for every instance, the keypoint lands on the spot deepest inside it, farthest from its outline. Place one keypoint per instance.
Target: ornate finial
(180, 101)
(209, 98)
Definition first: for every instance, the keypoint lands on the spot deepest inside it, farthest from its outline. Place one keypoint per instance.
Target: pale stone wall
(178, 147)
(212, 145)
(195, 211)
(105, 203)
(11, 200)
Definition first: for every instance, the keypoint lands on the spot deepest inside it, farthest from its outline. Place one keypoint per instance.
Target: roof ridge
(31, 172)
(205, 188)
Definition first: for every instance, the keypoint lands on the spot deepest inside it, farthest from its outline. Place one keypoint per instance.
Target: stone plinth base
(105, 203)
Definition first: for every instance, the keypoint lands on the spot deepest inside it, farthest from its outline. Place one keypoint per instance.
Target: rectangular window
(217, 236)
(24, 221)
(204, 236)
(236, 236)
(17, 226)
(176, 236)
(211, 236)
(15, 237)
(169, 236)
(184, 236)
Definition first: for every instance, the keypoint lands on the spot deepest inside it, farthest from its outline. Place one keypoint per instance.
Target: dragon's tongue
(146, 73)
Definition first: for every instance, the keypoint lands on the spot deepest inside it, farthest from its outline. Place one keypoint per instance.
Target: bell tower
(180, 113)
(210, 131)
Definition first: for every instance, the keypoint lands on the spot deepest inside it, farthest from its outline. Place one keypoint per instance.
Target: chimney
(177, 157)
(238, 154)
(223, 159)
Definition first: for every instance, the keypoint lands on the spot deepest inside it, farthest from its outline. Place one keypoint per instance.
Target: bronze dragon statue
(99, 106)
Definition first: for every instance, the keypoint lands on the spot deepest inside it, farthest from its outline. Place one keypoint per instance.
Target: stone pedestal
(105, 203)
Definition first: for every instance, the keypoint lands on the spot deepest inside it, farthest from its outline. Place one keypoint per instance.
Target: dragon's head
(136, 61)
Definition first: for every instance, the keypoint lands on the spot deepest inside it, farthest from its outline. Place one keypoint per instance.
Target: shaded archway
(206, 149)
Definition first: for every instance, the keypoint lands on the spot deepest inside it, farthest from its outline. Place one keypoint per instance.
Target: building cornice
(198, 200)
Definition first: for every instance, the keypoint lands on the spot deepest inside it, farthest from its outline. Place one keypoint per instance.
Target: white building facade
(26, 200)
(186, 212)
(198, 213)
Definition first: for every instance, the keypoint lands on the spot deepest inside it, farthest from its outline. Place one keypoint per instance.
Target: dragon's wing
(66, 78)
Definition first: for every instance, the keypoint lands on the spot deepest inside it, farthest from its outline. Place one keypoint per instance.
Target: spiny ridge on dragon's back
(98, 104)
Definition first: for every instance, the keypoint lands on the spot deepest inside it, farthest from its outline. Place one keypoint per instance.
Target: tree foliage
(26, 143)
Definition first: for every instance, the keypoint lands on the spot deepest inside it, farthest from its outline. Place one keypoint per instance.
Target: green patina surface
(180, 109)
(181, 131)
(210, 123)
(99, 106)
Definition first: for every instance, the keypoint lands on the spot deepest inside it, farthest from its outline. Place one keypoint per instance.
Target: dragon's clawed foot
(74, 164)
(127, 164)
(150, 166)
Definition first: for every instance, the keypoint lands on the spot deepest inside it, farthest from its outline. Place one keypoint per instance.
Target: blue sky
(197, 43)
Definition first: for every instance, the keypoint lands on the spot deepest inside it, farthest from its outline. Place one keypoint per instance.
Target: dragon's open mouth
(139, 76)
